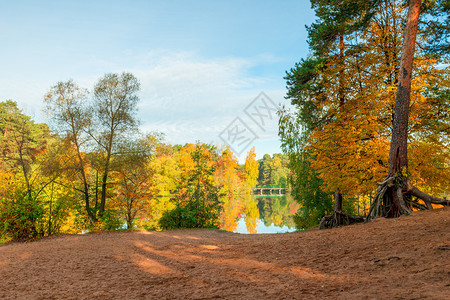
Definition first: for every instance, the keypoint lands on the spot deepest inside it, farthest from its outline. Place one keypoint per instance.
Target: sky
(210, 71)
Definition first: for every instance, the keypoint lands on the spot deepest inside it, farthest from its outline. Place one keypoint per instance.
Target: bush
(196, 213)
(110, 220)
(20, 216)
(199, 205)
(306, 220)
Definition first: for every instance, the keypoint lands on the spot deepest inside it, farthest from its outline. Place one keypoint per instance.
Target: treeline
(96, 171)
(344, 93)
(273, 170)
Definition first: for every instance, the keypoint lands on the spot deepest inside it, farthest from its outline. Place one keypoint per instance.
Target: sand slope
(404, 258)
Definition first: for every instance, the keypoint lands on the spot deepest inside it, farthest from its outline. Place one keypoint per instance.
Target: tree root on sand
(394, 198)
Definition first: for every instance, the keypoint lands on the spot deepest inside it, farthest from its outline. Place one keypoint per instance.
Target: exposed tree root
(393, 199)
(417, 205)
(412, 190)
(338, 218)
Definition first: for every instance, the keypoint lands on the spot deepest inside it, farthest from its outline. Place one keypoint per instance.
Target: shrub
(197, 212)
(20, 216)
(110, 220)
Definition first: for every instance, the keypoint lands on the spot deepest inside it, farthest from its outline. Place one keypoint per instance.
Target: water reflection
(259, 214)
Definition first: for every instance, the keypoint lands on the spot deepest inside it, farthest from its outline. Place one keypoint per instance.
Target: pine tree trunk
(389, 201)
(398, 158)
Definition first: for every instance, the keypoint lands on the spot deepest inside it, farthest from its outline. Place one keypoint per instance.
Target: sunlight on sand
(145, 232)
(25, 255)
(209, 247)
(169, 253)
(306, 273)
(150, 265)
(186, 237)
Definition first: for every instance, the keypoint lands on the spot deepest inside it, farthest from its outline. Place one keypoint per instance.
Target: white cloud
(191, 98)
(185, 96)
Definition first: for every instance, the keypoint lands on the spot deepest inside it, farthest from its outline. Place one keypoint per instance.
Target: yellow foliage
(351, 150)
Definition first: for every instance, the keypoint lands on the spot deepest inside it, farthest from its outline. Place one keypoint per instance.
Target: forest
(96, 171)
(371, 98)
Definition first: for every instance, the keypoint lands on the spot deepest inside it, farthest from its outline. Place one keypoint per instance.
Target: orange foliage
(351, 149)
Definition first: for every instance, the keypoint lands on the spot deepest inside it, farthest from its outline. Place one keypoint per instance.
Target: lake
(264, 214)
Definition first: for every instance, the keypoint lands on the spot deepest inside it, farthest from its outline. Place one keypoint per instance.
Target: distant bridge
(269, 190)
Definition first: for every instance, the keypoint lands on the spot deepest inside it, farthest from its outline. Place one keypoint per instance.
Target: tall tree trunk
(390, 201)
(96, 190)
(105, 177)
(337, 201)
(338, 195)
(398, 159)
(338, 206)
(103, 195)
(341, 71)
(85, 184)
(394, 202)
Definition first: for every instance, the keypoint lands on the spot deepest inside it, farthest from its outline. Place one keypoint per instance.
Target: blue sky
(200, 63)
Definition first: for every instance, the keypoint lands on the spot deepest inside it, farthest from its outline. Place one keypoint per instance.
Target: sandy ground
(404, 258)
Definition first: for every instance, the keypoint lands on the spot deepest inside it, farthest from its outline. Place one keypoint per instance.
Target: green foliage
(306, 187)
(438, 30)
(307, 219)
(277, 210)
(110, 220)
(198, 206)
(56, 210)
(273, 170)
(202, 211)
(4, 240)
(20, 216)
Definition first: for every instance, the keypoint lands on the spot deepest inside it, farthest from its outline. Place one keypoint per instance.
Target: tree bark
(105, 173)
(85, 182)
(425, 197)
(398, 158)
(341, 71)
(390, 201)
(337, 201)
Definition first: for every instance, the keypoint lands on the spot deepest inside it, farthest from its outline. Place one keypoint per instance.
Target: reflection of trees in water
(232, 209)
(277, 210)
(237, 207)
(251, 215)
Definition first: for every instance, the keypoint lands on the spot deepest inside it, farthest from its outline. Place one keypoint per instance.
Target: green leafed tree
(114, 107)
(67, 105)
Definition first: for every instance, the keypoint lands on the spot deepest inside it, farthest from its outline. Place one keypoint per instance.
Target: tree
(250, 172)
(345, 92)
(390, 198)
(22, 141)
(66, 103)
(30, 158)
(279, 170)
(133, 177)
(307, 188)
(198, 200)
(115, 106)
(436, 25)
(164, 183)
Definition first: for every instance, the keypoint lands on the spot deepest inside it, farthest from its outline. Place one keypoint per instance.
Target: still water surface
(270, 215)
